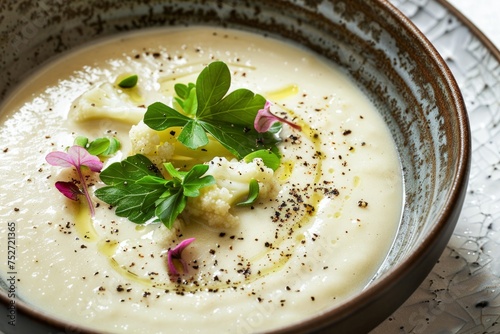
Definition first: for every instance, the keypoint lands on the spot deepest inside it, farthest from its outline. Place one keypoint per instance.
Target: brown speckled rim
(363, 310)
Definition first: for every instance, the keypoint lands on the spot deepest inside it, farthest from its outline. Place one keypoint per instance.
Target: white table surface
(485, 14)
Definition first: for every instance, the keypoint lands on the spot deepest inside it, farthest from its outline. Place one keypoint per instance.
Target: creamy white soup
(316, 236)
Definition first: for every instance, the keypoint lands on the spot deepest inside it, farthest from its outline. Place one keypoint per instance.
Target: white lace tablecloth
(462, 293)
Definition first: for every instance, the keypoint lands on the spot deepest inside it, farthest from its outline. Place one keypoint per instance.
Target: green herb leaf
(211, 86)
(177, 175)
(98, 146)
(114, 146)
(103, 147)
(81, 141)
(194, 180)
(169, 208)
(239, 108)
(139, 191)
(129, 82)
(190, 105)
(253, 193)
(270, 159)
(132, 200)
(239, 140)
(229, 119)
(160, 117)
(183, 90)
(152, 181)
(129, 170)
(186, 97)
(193, 135)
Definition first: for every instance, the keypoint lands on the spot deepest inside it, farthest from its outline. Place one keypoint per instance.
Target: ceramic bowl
(389, 59)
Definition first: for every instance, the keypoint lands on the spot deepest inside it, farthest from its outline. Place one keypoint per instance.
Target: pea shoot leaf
(271, 159)
(186, 97)
(129, 171)
(229, 118)
(139, 192)
(129, 82)
(253, 193)
(102, 147)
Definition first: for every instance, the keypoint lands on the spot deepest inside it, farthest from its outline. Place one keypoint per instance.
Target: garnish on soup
(175, 255)
(76, 157)
(227, 118)
(140, 192)
(136, 186)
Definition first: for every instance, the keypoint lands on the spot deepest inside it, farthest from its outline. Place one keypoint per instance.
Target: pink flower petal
(77, 157)
(61, 159)
(265, 119)
(176, 254)
(69, 189)
(81, 157)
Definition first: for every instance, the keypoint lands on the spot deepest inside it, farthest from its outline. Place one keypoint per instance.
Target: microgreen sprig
(140, 193)
(76, 157)
(104, 146)
(209, 110)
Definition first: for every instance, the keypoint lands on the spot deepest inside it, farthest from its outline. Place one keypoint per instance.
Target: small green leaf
(129, 82)
(177, 175)
(229, 119)
(181, 90)
(133, 201)
(160, 117)
(253, 193)
(194, 180)
(190, 105)
(169, 208)
(129, 170)
(270, 159)
(240, 140)
(114, 146)
(240, 107)
(98, 146)
(180, 102)
(211, 86)
(81, 141)
(193, 135)
(152, 181)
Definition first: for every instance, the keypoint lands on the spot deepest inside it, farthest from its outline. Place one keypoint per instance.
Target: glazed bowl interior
(370, 41)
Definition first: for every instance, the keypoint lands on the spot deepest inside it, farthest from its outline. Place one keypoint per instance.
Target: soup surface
(322, 226)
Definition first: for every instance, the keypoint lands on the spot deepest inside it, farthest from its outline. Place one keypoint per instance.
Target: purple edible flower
(265, 119)
(176, 254)
(69, 189)
(76, 157)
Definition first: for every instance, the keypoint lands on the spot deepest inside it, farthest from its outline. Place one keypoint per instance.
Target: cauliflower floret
(214, 205)
(146, 141)
(106, 101)
(236, 175)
